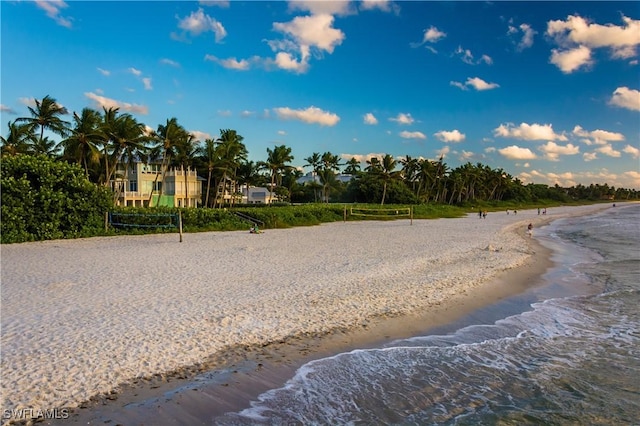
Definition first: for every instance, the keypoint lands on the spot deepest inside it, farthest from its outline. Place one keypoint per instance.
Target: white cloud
(467, 57)
(53, 7)
(7, 110)
(166, 61)
(229, 63)
(529, 132)
(475, 82)
(450, 136)
(528, 34)
(553, 151)
(609, 151)
(134, 71)
(431, 35)
(199, 22)
(315, 31)
(598, 137)
(632, 150)
(363, 158)
(369, 118)
(589, 156)
(322, 7)
(147, 83)
(412, 135)
(309, 115)
(200, 136)
(106, 73)
(622, 41)
(384, 5)
(514, 152)
(572, 59)
(402, 118)
(225, 113)
(220, 3)
(286, 61)
(101, 101)
(624, 97)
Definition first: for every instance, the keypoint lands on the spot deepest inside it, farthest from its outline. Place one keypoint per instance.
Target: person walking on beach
(530, 230)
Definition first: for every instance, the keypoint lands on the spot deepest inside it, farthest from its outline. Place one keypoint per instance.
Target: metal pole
(180, 223)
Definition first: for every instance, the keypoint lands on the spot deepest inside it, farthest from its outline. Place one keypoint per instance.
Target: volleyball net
(144, 220)
(382, 213)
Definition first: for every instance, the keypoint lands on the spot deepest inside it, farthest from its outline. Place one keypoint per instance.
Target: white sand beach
(81, 317)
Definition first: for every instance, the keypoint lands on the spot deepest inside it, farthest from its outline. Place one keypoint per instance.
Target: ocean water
(567, 353)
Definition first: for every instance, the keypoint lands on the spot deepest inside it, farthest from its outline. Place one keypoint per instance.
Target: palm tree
(82, 144)
(167, 137)
(209, 156)
(18, 140)
(185, 150)
(315, 162)
(388, 174)
(276, 163)
(46, 115)
(353, 167)
(232, 153)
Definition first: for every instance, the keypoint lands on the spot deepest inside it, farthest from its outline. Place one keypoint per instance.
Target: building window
(133, 186)
(157, 185)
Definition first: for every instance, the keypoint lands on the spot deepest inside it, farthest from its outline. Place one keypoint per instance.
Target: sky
(547, 91)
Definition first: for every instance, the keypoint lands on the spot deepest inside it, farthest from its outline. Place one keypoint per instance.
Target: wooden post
(411, 215)
(180, 223)
(106, 221)
(344, 216)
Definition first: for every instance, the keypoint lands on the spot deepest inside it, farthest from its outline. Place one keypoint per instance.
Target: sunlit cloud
(312, 115)
(6, 110)
(476, 83)
(624, 97)
(230, 63)
(403, 118)
(369, 118)
(198, 23)
(104, 102)
(450, 136)
(597, 137)
(53, 8)
(552, 151)
(514, 152)
(529, 132)
(528, 34)
(171, 63)
(104, 72)
(412, 135)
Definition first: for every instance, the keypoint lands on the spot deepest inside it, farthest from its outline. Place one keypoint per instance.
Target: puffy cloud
(315, 31)
(431, 35)
(577, 36)
(553, 151)
(514, 152)
(412, 135)
(589, 156)
(402, 118)
(53, 7)
(475, 82)
(624, 97)
(309, 115)
(200, 136)
(529, 132)
(609, 151)
(323, 7)
(572, 59)
(450, 136)
(369, 118)
(632, 150)
(199, 22)
(363, 158)
(598, 137)
(286, 61)
(384, 5)
(104, 102)
(528, 34)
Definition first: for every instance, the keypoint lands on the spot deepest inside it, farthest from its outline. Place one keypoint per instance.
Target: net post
(106, 221)
(344, 216)
(411, 215)
(180, 224)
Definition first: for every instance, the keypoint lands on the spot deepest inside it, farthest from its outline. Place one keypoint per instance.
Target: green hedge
(44, 199)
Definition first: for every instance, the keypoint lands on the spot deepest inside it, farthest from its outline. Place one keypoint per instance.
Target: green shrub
(44, 199)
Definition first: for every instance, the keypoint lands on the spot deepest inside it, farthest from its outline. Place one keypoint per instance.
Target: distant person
(507, 211)
(484, 214)
(530, 230)
(515, 212)
(544, 211)
(538, 211)
(255, 230)
(479, 214)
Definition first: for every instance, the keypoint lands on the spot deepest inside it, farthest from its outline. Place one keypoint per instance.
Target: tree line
(105, 143)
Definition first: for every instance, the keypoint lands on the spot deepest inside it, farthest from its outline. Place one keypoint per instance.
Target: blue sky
(547, 91)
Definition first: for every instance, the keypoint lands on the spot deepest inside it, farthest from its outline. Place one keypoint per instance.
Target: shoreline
(228, 386)
(333, 296)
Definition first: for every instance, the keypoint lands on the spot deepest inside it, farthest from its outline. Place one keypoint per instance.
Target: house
(313, 177)
(257, 195)
(140, 185)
